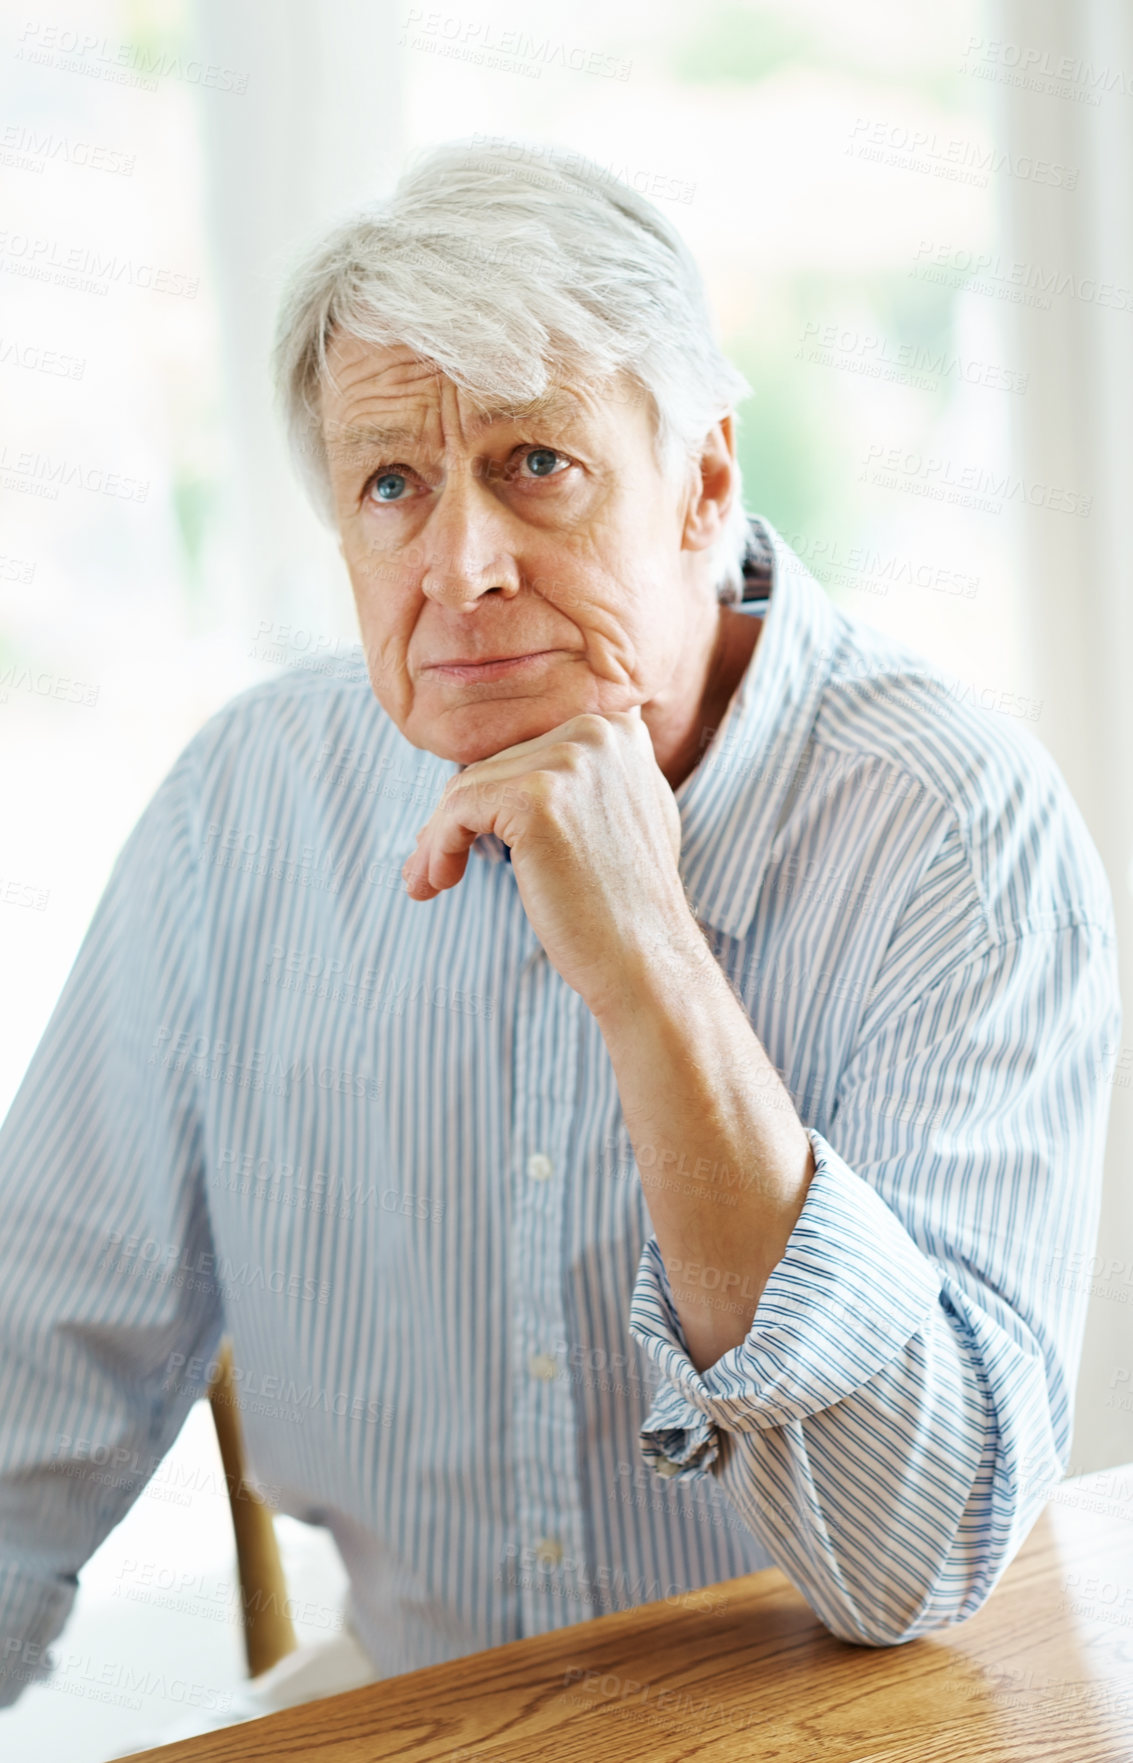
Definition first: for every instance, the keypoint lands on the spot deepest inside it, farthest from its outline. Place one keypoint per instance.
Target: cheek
(583, 588)
(379, 583)
(385, 624)
(373, 570)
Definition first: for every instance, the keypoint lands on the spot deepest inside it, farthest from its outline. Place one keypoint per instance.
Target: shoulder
(971, 753)
(306, 743)
(304, 718)
(293, 712)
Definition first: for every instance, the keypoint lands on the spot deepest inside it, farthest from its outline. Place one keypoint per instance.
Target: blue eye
(541, 460)
(389, 485)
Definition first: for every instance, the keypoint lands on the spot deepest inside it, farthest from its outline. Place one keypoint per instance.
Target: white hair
(508, 265)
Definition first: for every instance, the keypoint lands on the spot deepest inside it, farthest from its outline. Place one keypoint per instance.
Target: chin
(478, 731)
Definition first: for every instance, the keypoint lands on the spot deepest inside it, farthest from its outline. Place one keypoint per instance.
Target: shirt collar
(731, 806)
(734, 802)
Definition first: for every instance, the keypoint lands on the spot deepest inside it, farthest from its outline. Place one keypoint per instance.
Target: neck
(736, 637)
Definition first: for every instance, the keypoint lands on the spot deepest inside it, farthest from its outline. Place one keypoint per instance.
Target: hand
(595, 837)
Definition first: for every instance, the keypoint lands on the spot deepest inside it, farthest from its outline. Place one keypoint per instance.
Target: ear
(713, 487)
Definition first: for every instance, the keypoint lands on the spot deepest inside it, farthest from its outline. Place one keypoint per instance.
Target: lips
(496, 667)
(482, 660)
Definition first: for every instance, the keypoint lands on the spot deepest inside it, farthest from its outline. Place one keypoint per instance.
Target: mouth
(493, 668)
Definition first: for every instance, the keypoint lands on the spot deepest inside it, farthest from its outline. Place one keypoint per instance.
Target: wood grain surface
(1044, 1672)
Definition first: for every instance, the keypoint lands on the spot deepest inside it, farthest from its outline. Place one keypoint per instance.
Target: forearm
(895, 1510)
(725, 1162)
(886, 1440)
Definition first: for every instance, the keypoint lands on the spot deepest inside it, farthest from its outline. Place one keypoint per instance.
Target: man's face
(472, 535)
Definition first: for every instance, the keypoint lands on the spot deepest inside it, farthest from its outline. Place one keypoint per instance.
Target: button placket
(549, 1516)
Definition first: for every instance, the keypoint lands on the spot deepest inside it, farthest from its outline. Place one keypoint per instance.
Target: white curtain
(317, 132)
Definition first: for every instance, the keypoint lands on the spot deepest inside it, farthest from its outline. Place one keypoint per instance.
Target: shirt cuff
(849, 1293)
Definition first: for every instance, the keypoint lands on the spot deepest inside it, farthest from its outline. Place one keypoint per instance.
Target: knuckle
(590, 727)
(514, 797)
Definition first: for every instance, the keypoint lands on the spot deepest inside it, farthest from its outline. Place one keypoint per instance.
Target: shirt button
(542, 1365)
(540, 1167)
(549, 1552)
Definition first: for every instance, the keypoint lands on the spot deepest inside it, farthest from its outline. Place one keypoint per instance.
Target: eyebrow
(549, 406)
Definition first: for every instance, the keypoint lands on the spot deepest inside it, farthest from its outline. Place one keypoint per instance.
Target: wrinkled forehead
(389, 376)
(386, 394)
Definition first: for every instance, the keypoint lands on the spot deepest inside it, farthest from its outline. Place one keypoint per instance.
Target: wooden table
(1044, 1672)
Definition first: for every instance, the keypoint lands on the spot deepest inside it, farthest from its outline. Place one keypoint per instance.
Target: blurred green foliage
(735, 44)
(194, 505)
(798, 442)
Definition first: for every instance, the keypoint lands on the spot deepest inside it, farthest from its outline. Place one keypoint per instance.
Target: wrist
(659, 976)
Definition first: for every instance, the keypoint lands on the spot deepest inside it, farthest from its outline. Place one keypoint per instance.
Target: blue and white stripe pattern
(380, 1142)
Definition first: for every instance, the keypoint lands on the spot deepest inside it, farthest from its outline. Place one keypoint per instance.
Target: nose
(466, 544)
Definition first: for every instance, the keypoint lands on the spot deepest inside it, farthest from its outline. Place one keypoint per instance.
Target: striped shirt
(380, 1142)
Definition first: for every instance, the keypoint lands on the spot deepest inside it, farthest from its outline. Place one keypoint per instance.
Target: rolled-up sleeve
(904, 1396)
(106, 1251)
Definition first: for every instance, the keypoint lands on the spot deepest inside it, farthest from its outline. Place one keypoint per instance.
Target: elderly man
(660, 1168)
